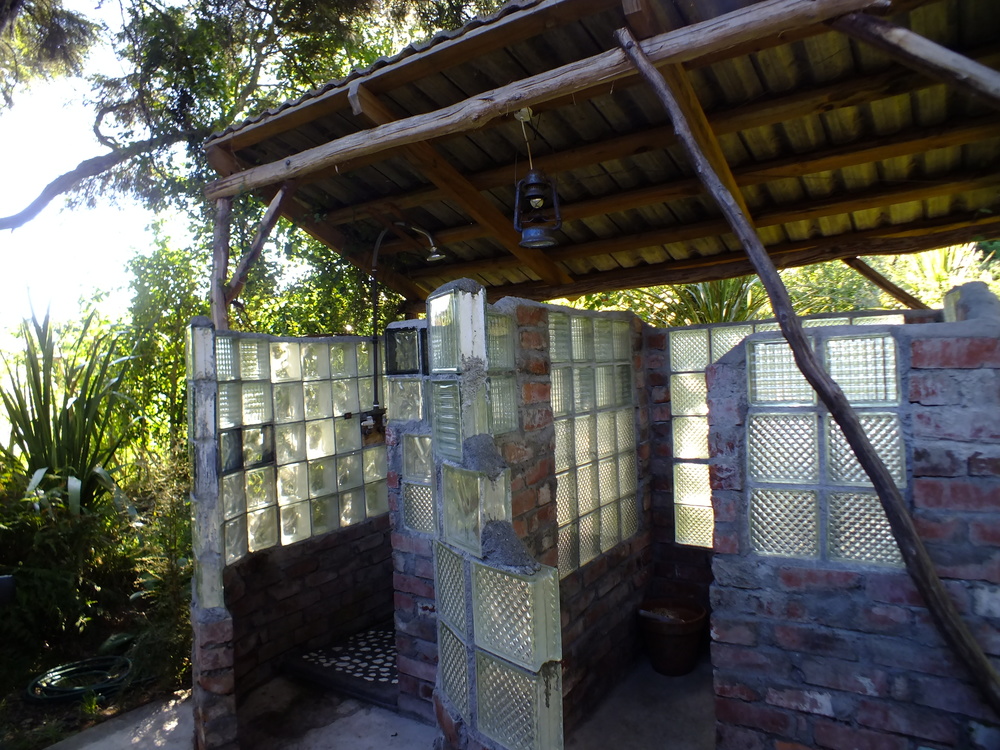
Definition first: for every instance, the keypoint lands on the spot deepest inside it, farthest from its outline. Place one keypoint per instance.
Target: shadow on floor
(649, 710)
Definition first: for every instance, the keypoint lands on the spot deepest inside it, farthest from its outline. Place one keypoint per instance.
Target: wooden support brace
(887, 286)
(220, 264)
(271, 216)
(922, 54)
(918, 562)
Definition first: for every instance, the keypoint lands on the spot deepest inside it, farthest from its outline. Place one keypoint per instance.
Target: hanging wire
(523, 116)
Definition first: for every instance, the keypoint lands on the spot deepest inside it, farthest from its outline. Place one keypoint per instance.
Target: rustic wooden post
(267, 223)
(694, 132)
(887, 286)
(220, 263)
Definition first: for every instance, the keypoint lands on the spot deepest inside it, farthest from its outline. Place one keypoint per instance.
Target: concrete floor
(646, 712)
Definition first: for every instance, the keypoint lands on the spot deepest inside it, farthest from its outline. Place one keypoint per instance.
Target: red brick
(535, 393)
(536, 418)
(955, 423)
(730, 688)
(221, 683)
(755, 716)
(523, 501)
(939, 529)
(534, 340)
(883, 618)
(893, 588)
(845, 676)
(805, 701)
(815, 640)
(938, 461)
(780, 745)
(934, 389)
(976, 495)
(908, 720)
(733, 631)
(413, 585)
(415, 544)
(809, 579)
(655, 339)
(540, 472)
(726, 543)
(985, 532)
(984, 464)
(729, 657)
(829, 734)
(960, 353)
(531, 315)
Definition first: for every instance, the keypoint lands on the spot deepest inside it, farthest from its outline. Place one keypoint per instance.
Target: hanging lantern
(536, 210)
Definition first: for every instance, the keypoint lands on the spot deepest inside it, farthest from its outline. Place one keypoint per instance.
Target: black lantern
(536, 210)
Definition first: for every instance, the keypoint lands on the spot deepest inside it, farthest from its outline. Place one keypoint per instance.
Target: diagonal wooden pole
(267, 223)
(886, 285)
(694, 133)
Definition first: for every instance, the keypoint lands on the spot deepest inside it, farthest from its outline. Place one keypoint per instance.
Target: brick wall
(678, 570)
(306, 596)
(812, 654)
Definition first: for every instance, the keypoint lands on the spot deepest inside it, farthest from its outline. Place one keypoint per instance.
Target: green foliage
(835, 287)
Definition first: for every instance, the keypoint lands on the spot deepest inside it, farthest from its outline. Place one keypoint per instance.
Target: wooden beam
(763, 19)
(918, 562)
(922, 54)
(886, 285)
(220, 263)
(267, 223)
(437, 169)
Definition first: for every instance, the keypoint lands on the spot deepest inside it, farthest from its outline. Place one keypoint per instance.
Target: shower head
(434, 254)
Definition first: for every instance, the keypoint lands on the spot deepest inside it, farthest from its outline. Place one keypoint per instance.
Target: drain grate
(368, 656)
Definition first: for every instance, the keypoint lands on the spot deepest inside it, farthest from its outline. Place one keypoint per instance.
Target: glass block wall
(809, 496)
(593, 408)
(297, 457)
(692, 350)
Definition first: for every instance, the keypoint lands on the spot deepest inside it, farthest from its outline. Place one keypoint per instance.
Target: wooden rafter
(437, 169)
(764, 19)
(918, 562)
(267, 223)
(886, 285)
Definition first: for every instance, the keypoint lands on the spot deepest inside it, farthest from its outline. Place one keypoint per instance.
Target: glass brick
(318, 399)
(766, 327)
(583, 389)
(725, 338)
(627, 476)
(590, 537)
(689, 350)
(453, 666)
(443, 331)
(344, 396)
(315, 361)
(349, 472)
(376, 498)
(233, 496)
(230, 451)
(559, 337)
(288, 403)
(566, 497)
(235, 539)
(449, 589)
(258, 446)
(885, 434)
(621, 334)
(363, 355)
(517, 616)
(823, 322)
(879, 320)
(295, 523)
(262, 529)
(319, 439)
(406, 399)
(625, 419)
(286, 362)
(562, 391)
(688, 394)
(403, 351)
(692, 485)
(290, 443)
(256, 403)
(774, 376)
(607, 480)
(374, 463)
(366, 393)
(343, 360)
(352, 507)
(605, 387)
(623, 384)
(259, 487)
(254, 360)
(418, 508)
(859, 529)
(418, 462)
(293, 483)
(500, 341)
(569, 549)
(582, 337)
(230, 405)
(864, 368)
(322, 477)
(607, 434)
(584, 429)
(325, 514)
(588, 494)
(470, 500)
(629, 516)
(519, 709)
(610, 533)
(690, 437)
(783, 448)
(565, 453)
(446, 424)
(503, 404)
(784, 522)
(348, 435)
(226, 363)
(694, 525)
(604, 345)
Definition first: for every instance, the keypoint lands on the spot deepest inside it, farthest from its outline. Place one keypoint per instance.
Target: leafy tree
(835, 287)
